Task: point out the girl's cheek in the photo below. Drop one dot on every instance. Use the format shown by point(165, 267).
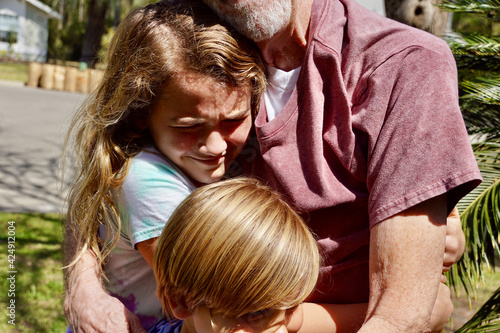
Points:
point(241, 135)
point(184, 141)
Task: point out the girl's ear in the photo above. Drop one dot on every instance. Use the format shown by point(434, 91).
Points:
point(180, 309)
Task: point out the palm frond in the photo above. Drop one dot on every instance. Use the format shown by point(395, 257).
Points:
point(486, 319)
point(480, 216)
point(484, 90)
point(489, 8)
point(481, 120)
point(474, 51)
point(478, 62)
point(474, 43)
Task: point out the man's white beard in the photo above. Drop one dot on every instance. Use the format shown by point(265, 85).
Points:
point(258, 20)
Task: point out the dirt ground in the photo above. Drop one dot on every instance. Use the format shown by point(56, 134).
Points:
point(463, 312)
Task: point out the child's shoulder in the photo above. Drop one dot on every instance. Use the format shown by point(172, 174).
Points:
point(152, 157)
point(152, 164)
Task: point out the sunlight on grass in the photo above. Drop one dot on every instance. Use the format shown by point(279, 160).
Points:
point(39, 289)
point(14, 71)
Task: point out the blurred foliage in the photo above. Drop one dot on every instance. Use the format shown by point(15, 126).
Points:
point(475, 43)
point(66, 44)
point(67, 37)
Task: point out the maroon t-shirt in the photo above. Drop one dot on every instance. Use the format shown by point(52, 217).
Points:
point(372, 128)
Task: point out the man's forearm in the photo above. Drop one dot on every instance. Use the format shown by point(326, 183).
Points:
point(80, 275)
point(406, 255)
point(86, 265)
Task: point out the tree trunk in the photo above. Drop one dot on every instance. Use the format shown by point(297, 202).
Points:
point(97, 10)
point(422, 14)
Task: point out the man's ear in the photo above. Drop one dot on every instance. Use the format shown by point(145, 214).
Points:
point(180, 309)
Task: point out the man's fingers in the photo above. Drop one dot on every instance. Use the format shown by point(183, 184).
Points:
point(134, 323)
point(455, 240)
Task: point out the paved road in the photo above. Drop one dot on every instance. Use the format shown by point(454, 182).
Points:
point(33, 123)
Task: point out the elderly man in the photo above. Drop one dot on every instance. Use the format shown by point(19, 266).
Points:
point(362, 132)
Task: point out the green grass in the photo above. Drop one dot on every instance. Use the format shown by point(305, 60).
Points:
point(14, 71)
point(39, 289)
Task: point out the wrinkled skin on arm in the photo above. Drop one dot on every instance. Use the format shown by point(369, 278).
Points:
point(328, 318)
point(87, 306)
point(406, 260)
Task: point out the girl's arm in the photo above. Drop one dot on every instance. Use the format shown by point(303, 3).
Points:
point(147, 249)
point(348, 318)
point(336, 318)
point(327, 318)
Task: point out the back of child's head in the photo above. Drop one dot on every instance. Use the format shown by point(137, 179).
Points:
point(151, 46)
point(235, 247)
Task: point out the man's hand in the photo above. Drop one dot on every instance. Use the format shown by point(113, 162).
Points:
point(455, 240)
point(442, 310)
point(87, 306)
point(104, 313)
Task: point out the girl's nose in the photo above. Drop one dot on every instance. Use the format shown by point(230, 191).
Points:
point(214, 144)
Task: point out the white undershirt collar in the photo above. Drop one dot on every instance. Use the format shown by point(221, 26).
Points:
point(280, 85)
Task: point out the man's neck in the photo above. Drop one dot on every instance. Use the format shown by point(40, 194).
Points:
point(286, 49)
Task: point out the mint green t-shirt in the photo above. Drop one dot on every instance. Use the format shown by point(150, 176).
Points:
point(152, 190)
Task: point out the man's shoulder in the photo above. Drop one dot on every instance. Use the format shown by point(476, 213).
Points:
point(359, 35)
point(356, 43)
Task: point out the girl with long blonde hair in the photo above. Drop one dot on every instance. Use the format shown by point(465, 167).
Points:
point(173, 111)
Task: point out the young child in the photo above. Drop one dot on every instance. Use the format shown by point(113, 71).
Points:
point(234, 257)
point(173, 111)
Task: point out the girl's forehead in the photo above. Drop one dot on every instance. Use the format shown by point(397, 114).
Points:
point(196, 84)
point(187, 78)
point(194, 95)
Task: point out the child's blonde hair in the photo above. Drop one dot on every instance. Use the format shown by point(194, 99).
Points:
point(150, 46)
point(235, 247)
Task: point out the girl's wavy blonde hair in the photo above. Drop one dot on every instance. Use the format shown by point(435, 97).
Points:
point(149, 47)
point(235, 247)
